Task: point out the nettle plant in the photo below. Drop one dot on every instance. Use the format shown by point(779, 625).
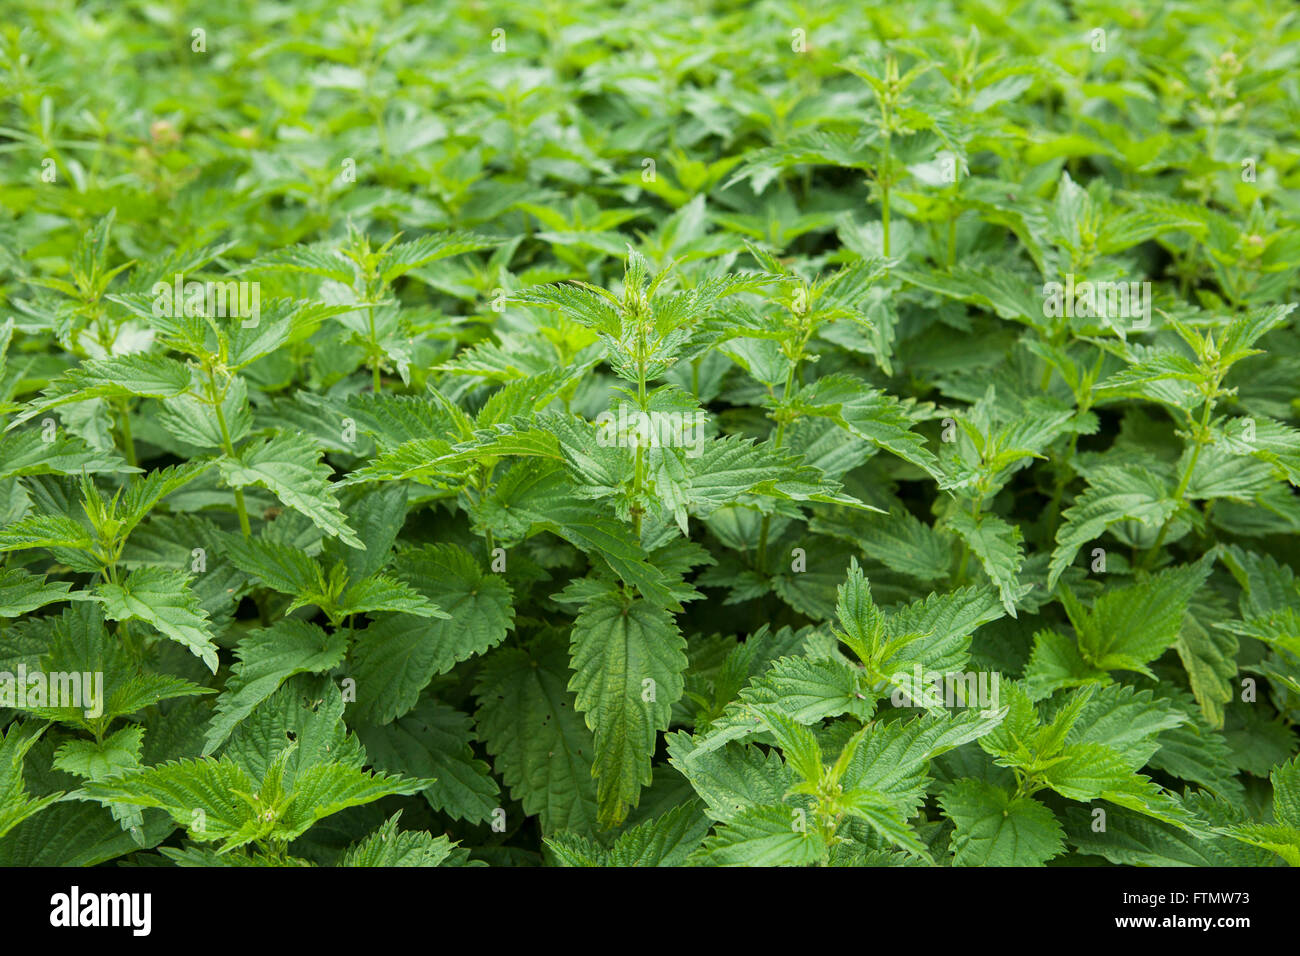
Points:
point(434, 440)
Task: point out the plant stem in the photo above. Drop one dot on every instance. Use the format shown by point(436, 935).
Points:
point(375, 380)
point(482, 493)
point(884, 211)
point(639, 475)
point(976, 506)
point(1185, 479)
point(1062, 479)
point(128, 444)
point(229, 447)
point(883, 177)
point(761, 558)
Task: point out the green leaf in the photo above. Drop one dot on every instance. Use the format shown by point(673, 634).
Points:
point(628, 660)
point(200, 795)
point(731, 467)
point(868, 414)
point(764, 836)
point(28, 453)
point(806, 691)
point(148, 376)
point(531, 498)
point(1056, 663)
point(22, 591)
point(280, 323)
point(993, 828)
point(997, 545)
point(909, 646)
point(267, 658)
point(1195, 753)
point(540, 745)
point(327, 788)
point(898, 540)
point(163, 600)
point(1124, 720)
point(45, 531)
point(15, 805)
point(388, 846)
point(376, 514)
point(397, 656)
point(1131, 626)
point(98, 760)
point(731, 778)
point(280, 567)
point(319, 259)
point(1209, 657)
point(289, 466)
point(665, 841)
point(405, 256)
point(142, 495)
point(893, 759)
point(1131, 839)
point(79, 643)
point(193, 421)
point(1115, 493)
point(1088, 771)
point(434, 741)
point(1286, 792)
point(380, 592)
point(1282, 837)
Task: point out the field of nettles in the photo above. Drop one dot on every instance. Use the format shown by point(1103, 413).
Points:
point(678, 433)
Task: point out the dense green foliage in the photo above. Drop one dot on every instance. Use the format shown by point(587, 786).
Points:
point(650, 434)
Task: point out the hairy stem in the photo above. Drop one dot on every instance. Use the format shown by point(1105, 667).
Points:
point(1184, 480)
point(375, 380)
point(761, 557)
point(639, 475)
point(128, 443)
point(229, 448)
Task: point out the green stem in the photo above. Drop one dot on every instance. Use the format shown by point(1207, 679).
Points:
point(639, 476)
point(761, 559)
point(229, 447)
point(483, 490)
point(374, 352)
point(1184, 480)
point(976, 505)
point(1062, 479)
point(884, 178)
point(884, 215)
point(128, 444)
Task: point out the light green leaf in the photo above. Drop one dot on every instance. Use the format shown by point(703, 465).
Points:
point(163, 600)
point(21, 592)
point(628, 660)
point(289, 466)
point(764, 836)
point(997, 545)
point(267, 658)
point(388, 846)
point(993, 828)
point(149, 376)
